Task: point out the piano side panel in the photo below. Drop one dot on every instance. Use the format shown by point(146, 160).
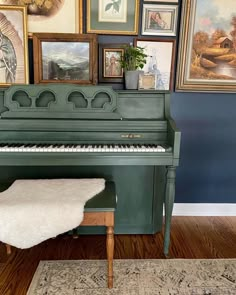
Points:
point(139, 207)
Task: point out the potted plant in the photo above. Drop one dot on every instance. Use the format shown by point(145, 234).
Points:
point(132, 61)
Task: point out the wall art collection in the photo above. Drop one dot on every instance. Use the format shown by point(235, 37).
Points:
point(66, 49)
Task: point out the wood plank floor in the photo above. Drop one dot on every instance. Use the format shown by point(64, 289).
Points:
point(191, 237)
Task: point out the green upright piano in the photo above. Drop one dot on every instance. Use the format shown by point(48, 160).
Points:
point(71, 131)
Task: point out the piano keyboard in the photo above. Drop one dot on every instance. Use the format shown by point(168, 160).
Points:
point(84, 148)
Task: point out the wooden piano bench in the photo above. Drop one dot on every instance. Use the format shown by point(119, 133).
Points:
point(99, 211)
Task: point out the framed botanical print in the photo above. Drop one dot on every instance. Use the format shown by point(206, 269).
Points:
point(159, 20)
point(207, 52)
point(67, 58)
point(13, 45)
point(113, 17)
point(160, 60)
point(52, 16)
point(110, 69)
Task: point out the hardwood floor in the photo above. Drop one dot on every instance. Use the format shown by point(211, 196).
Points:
point(191, 237)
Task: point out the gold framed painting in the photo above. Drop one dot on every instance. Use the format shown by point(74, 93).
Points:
point(207, 51)
point(113, 17)
point(164, 1)
point(13, 45)
point(67, 58)
point(52, 16)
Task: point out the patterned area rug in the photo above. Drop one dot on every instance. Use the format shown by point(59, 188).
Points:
point(136, 277)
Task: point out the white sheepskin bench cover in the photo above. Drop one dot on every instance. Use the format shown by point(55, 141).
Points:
point(32, 211)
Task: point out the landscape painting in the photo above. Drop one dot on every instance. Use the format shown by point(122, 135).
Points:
point(208, 62)
point(68, 58)
point(65, 60)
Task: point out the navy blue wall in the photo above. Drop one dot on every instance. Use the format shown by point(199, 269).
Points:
point(207, 171)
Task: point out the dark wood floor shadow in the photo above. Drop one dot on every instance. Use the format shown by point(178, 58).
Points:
point(191, 237)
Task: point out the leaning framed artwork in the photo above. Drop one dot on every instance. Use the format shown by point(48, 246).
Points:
point(160, 60)
point(207, 53)
point(67, 58)
point(113, 17)
point(159, 19)
point(13, 45)
point(110, 69)
point(52, 16)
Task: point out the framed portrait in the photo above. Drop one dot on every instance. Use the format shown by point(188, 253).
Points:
point(110, 69)
point(67, 58)
point(159, 20)
point(113, 17)
point(160, 60)
point(207, 52)
point(52, 16)
point(13, 45)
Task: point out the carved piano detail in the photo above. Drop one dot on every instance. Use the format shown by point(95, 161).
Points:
point(127, 136)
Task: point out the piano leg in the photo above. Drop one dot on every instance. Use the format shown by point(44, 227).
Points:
point(8, 247)
point(169, 203)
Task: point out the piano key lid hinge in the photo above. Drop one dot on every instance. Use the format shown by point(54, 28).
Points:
point(131, 135)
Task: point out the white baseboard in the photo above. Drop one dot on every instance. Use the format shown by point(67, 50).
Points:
point(204, 209)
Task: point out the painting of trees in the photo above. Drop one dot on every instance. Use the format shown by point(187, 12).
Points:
point(200, 43)
point(233, 32)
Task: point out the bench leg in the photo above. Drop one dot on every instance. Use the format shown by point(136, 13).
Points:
point(8, 249)
point(110, 254)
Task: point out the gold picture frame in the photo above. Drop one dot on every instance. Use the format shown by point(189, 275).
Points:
point(147, 82)
point(53, 64)
point(109, 17)
point(13, 46)
point(52, 16)
point(206, 60)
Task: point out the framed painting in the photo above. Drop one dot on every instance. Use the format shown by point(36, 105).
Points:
point(67, 58)
point(159, 20)
point(163, 1)
point(13, 45)
point(52, 16)
point(113, 17)
point(160, 60)
point(207, 52)
point(110, 69)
